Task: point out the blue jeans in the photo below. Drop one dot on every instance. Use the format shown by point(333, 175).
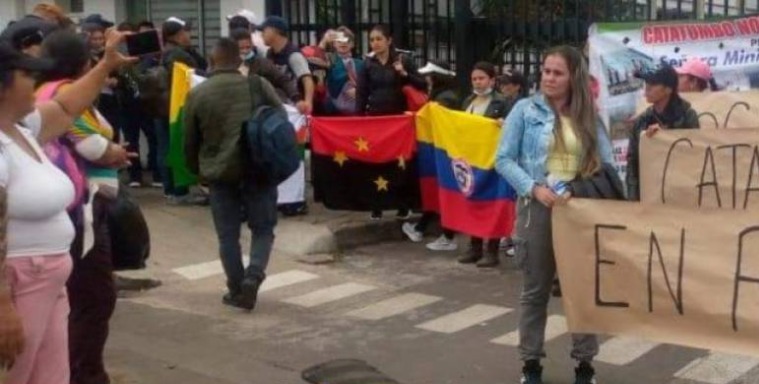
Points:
point(260, 206)
point(164, 144)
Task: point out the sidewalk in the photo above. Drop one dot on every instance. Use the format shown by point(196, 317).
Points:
point(321, 231)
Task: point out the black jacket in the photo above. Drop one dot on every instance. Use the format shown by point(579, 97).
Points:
point(677, 115)
point(448, 98)
point(498, 109)
point(380, 87)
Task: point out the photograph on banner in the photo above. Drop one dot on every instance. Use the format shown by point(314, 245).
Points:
point(619, 50)
point(724, 109)
point(667, 274)
point(701, 168)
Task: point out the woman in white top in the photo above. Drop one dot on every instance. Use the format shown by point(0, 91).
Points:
point(36, 232)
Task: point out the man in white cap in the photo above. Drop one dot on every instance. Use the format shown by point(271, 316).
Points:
point(247, 19)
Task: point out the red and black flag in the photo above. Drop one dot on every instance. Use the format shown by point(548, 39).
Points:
point(365, 163)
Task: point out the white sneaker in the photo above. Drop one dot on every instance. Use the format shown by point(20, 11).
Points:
point(409, 229)
point(135, 184)
point(443, 244)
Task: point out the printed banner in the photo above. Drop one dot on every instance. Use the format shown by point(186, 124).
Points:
point(457, 169)
point(619, 50)
point(701, 168)
point(364, 163)
point(673, 275)
point(182, 81)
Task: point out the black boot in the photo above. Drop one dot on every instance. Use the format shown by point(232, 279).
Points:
point(491, 259)
point(474, 253)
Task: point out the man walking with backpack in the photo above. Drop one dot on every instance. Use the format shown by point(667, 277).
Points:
point(216, 112)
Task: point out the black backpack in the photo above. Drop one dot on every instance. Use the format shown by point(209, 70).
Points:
point(270, 141)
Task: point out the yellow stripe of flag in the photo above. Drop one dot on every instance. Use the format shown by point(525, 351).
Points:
point(461, 135)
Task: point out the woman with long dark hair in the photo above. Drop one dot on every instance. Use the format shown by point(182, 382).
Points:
point(380, 84)
point(555, 134)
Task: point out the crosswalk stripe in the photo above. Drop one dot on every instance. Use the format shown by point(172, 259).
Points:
point(555, 327)
point(624, 350)
point(328, 295)
point(394, 306)
point(464, 319)
point(200, 270)
point(718, 368)
point(285, 279)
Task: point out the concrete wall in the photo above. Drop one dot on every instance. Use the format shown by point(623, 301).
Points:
point(10, 10)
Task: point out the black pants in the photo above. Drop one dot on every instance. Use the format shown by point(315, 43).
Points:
point(135, 120)
point(92, 296)
point(427, 219)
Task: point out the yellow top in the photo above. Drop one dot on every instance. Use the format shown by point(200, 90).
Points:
point(564, 165)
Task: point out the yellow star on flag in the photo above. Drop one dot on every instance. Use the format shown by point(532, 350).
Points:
point(340, 158)
point(382, 184)
point(401, 163)
point(362, 144)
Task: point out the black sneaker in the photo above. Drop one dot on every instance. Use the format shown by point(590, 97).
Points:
point(376, 216)
point(532, 373)
point(233, 300)
point(249, 292)
point(585, 374)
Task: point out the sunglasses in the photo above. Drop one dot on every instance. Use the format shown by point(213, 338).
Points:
point(31, 40)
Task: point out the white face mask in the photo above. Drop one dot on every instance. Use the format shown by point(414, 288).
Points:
point(483, 93)
point(249, 56)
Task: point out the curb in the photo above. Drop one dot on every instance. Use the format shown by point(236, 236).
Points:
point(302, 238)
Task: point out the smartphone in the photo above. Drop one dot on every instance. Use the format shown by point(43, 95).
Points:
point(145, 43)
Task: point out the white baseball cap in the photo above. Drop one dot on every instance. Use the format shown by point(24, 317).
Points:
point(247, 14)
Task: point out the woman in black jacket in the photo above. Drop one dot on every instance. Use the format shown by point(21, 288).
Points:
point(442, 90)
point(386, 72)
point(380, 84)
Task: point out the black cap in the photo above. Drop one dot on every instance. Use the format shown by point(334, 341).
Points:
point(275, 22)
point(664, 75)
point(174, 25)
point(26, 37)
point(98, 19)
point(513, 77)
point(11, 59)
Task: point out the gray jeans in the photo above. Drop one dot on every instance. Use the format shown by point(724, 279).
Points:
point(534, 256)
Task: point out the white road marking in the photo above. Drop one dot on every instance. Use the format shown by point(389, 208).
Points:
point(394, 306)
point(328, 295)
point(624, 350)
point(464, 319)
point(285, 279)
point(718, 368)
point(555, 327)
point(203, 270)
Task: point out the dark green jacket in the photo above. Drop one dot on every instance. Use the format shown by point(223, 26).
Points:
point(214, 115)
point(677, 115)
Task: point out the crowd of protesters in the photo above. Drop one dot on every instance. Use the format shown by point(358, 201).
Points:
point(69, 98)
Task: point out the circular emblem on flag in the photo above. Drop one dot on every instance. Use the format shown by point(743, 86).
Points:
point(464, 176)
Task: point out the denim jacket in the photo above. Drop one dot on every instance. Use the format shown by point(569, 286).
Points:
point(525, 143)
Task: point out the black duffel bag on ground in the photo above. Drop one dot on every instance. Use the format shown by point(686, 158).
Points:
point(130, 237)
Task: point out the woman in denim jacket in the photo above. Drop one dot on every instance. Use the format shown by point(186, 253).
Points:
point(555, 132)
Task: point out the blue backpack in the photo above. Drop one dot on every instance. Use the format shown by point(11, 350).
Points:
point(271, 143)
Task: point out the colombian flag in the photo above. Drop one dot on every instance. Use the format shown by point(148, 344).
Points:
point(457, 171)
point(183, 79)
point(365, 163)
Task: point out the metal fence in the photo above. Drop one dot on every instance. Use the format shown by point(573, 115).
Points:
point(510, 33)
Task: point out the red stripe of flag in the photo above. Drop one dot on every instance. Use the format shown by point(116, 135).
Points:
point(367, 139)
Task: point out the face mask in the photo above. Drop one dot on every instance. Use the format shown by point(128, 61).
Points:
point(483, 93)
point(249, 56)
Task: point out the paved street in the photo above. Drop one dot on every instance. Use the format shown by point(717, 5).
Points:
point(419, 317)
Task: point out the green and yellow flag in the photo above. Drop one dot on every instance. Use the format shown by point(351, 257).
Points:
point(181, 83)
